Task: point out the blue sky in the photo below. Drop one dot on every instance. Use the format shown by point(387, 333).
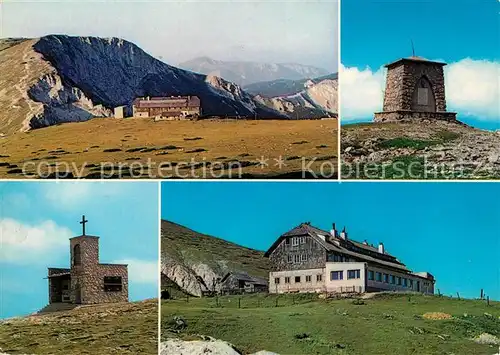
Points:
point(38, 218)
point(463, 33)
point(451, 230)
point(263, 31)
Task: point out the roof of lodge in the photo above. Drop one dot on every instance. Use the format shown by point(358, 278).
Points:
point(170, 101)
point(344, 246)
point(414, 59)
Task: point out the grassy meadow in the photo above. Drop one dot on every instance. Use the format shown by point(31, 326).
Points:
point(78, 149)
point(305, 324)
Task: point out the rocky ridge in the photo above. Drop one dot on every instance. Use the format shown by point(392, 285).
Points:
point(316, 100)
point(245, 73)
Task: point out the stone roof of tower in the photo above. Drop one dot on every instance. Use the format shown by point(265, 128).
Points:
point(414, 59)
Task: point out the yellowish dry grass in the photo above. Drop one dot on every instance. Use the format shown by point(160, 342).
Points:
point(86, 144)
point(121, 328)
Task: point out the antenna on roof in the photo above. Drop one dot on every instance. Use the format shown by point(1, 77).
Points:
point(412, 48)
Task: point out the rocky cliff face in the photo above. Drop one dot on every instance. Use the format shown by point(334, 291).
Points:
point(60, 78)
point(193, 260)
point(315, 100)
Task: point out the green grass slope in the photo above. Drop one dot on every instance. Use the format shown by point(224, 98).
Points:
point(305, 324)
point(120, 328)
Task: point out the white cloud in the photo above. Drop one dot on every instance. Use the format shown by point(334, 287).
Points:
point(472, 88)
point(22, 243)
point(361, 92)
point(70, 195)
point(141, 271)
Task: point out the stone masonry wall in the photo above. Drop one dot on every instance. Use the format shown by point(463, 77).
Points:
point(402, 80)
point(89, 249)
point(434, 73)
point(393, 96)
point(316, 255)
point(94, 284)
point(410, 115)
point(87, 279)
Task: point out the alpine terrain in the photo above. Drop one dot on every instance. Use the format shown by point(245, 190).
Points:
point(58, 78)
point(192, 260)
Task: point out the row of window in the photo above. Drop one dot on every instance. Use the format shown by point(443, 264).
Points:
point(297, 258)
point(339, 275)
point(296, 241)
point(298, 279)
point(391, 279)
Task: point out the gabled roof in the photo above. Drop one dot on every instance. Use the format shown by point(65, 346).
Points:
point(305, 229)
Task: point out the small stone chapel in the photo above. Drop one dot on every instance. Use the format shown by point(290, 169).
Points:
point(87, 281)
point(414, 88)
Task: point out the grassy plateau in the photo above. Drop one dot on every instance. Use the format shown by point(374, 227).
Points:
point(78, 149)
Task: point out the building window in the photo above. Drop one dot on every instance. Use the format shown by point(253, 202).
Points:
point(112, 283)
point(297, 279)
point(399, 280)
point(302, 240)
point(276, 280)
point(287, 280)
point(405, 282)
point(295, 241)
point(308, 278)
point(296, 258)
point(303, 257)
point(337, 275)
point(393, 279)
point(319, 277)
point(287, 240)
point(77, 257)
point(290, 258)
point(353, 274)
point(370, 275)
point(410, 283)
point(386, 278)
point(379, 276)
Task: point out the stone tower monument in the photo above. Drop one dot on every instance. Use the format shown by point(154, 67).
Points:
point(414, 89)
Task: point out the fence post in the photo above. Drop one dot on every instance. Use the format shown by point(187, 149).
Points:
point(187, 298)
point(488, 300)
point(276, 302)
point(458, 295)
point(482, 294)
point(439, 292)
point(239, 302)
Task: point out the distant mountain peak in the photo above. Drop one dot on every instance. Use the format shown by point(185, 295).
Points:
point(248, 72)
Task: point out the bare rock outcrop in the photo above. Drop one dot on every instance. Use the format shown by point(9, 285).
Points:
point(206, 346)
